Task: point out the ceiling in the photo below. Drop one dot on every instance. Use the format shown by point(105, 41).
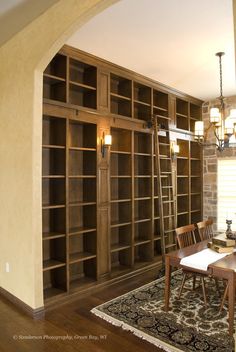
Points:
point(171, 41)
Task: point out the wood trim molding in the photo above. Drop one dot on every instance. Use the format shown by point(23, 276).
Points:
point(117, 69)
point(37, 313)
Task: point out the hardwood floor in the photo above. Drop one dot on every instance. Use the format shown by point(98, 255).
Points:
point(54, 333)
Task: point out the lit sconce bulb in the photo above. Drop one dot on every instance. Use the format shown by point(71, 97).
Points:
point(199, 130)
point(107, 140)
point(229, 127)
point(215, 115)
point(176, 148)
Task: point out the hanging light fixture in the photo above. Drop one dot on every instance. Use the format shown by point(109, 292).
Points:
point(223, 127)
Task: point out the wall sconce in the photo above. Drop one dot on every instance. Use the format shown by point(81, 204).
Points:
point(174, 151)
point(106, 142)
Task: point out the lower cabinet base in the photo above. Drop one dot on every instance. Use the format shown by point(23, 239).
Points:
point(91, 286)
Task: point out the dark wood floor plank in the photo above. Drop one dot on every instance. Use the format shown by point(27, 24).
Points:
point(85, 331)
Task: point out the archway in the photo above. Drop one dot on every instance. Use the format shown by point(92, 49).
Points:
point(23, 59)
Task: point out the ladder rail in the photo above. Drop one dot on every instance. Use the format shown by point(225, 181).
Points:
point(157, 165)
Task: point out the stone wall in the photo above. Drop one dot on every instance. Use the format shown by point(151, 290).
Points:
point(210, 156)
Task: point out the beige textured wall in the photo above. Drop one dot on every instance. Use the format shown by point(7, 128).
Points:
point(22, 60)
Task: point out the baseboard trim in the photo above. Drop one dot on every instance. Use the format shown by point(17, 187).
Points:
point(37, 313)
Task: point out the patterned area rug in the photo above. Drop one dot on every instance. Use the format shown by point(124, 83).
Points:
point(189, 326)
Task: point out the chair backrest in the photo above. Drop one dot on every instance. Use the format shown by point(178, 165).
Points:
point(185, 235)
point(205, 229)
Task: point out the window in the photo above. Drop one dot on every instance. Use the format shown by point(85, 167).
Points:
point(226, 193)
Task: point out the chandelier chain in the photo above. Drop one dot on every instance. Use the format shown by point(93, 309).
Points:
point(221, 85)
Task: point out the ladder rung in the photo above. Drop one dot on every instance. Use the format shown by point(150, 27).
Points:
point(162, 143)
point(170, 245)
point(168, 231)
point(168, 216)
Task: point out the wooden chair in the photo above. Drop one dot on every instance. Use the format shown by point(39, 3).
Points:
point(185, 236)
point(205, 232)
point(205, 229)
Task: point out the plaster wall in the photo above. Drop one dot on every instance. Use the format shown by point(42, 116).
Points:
point(22, 61)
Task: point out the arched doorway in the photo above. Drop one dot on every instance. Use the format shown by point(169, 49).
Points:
point(23, 59)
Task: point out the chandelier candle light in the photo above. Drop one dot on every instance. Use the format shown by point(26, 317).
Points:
point(223, 127)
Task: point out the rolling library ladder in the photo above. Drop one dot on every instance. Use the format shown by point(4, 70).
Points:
point(164, 184)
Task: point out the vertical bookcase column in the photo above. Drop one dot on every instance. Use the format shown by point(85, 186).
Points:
point(143, 236)
point(189, 182)
point(104, 90)
point(172, 110)
point(120, 95)
point(103, 209)
point(195, 182)
point(182, 114)
point(69, 184)
point(121, 201)
point(183, 184)
point(54, 205)
point(82, 203)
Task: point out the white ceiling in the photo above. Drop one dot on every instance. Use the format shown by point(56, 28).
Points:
point(171, 41)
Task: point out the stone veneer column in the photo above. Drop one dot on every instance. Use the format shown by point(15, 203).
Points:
point(210, 157)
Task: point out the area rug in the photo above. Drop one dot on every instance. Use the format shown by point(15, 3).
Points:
point(189, 326)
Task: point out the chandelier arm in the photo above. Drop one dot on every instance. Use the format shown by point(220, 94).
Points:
point(206, 144)
point(217, 138)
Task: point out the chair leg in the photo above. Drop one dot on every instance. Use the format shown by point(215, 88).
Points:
point(204, 291)
point(217, 286)
point(182, 284)
point(224, 297)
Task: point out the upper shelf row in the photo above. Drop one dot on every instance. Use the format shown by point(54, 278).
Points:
point(72, 81)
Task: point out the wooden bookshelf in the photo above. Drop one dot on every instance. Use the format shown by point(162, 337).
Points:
point(189, 183)
point(120, 95)
point(69, 201)
point(101, 215)
point(196, 181)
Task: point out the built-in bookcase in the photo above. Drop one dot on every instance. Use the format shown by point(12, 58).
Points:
point(187, 114)
point(142, 102)
point(69, 204)
point(121, 200)
point(189, 183)
point(71, 81)
point(196, 182)
point(161, 108)
point(143, 202)
point(120, 95)
point(131, 199)
point(103, 214)
point(54, 79)
point(195, 115)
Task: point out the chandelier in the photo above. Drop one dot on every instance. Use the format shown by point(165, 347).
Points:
point(223, 127)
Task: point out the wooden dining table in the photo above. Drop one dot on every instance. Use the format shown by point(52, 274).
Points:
point(223, 268)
